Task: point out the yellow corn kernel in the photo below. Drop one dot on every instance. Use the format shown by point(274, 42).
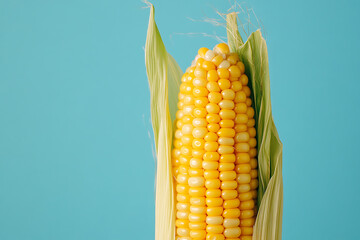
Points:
point(198, 234)
point(244, 79)
point(217, 60)
point(242, 147)
point(214, 97)
point(232, 232)
point(227, 114)
point(212, 76)
point(223, 73)
point(236, 86)
point(214, 202)
point(226, 141)
point(222, 48)
point(243, 168)
point(245, 196)
point(200, 72)
point(211, 174)
point(224, 84)
point(213, 127)
point(246, 230)
point(227, 158)
point(196, 181)
point(243, 178)
point(197, 209)
point(215, 236)
point(240, 97)
point(226, 166)
point(182, 188)
point(200, 92)
point(240, 108)
point(193, 172)
point(253, 163)
point(198, 143)
point(210, 165)
point(214, 220)
point(182, 215)
point(211, 156)
point(233, 58)
point(254, 183)
point(214, 228)
point(213, 118)
point(241, 119)
point(242, 158)
point(200, 112)
point(243, 188)
point(182, 223)
point(195, 163)
point(198, 201)
point(241, 66)
point(212, 108)
point(228, 185)
point(248, 102)
point(227, 175)
point(207, 65)
point(211, 146)
point(197, 225)
point(197, 191)
point(248, 222)
point(253, 152)
point(226, 132)
point(182, 197)
point(235, 72)
point(232, 203)
point(213, 87)
point(229, 194)
point(245, 237)
point(226, 104)
point(201, 102)
point(228, 94)
point(226, 123)
point(197, 153)
point(182, 206)
point(225, 149)
point(214, 211)
point(247, 205)
point(184, 232)
point(231, 213)
point(212, 183)
point(213, 193)
point(246, 214)
point(197, 82)
point(231, 222)
point(253, 173)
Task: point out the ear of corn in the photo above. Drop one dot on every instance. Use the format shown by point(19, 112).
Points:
point(214, 155)
point(216, 141)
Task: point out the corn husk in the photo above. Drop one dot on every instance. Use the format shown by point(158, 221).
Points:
point(164, 76)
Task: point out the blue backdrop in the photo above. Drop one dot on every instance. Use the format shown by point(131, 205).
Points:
point(76, 159)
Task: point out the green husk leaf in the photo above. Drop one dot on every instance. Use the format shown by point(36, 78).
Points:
point(253, 53)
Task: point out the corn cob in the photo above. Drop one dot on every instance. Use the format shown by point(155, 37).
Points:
point(214, 153)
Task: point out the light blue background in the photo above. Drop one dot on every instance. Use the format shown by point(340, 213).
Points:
point(76, 160)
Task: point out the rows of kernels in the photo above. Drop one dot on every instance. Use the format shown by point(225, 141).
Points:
point(245, 150)
point(230, 86)
point(214, 201)
point(183, 142)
